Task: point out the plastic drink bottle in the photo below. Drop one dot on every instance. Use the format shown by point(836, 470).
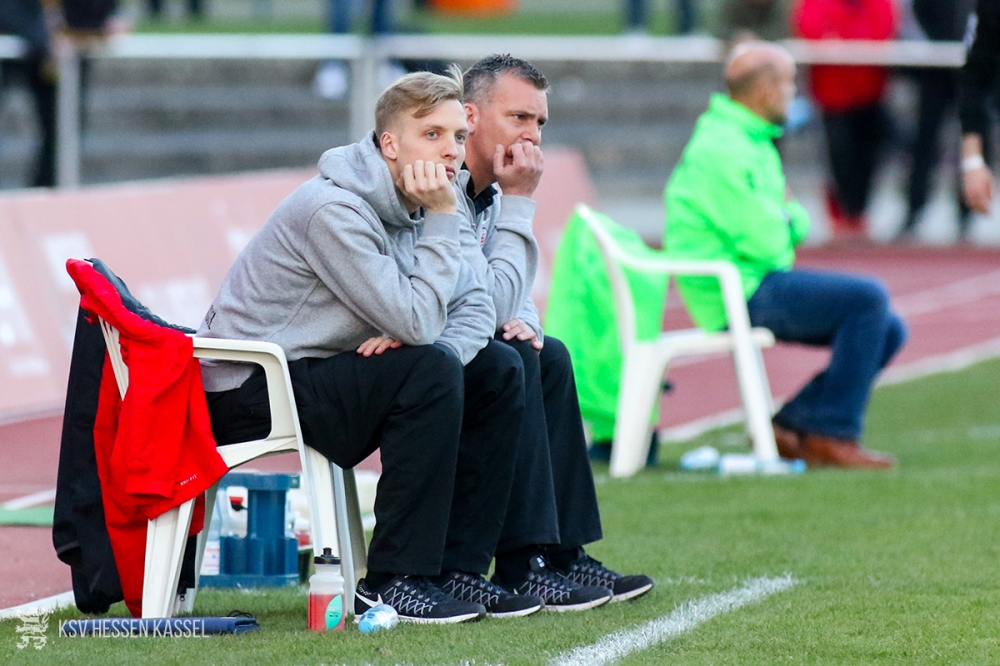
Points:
point(326, 594)
point(380, 617)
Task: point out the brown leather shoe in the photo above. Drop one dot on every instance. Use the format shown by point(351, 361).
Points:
point(819, 451)
point(788, 441)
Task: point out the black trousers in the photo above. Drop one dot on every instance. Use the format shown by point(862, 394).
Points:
point(854, 143)
point(553, 501)
point(938, 95)
point(42, 86)
point(447, 437)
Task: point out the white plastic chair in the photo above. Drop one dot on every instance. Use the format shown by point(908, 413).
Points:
point(335, 515)
point(644, 362)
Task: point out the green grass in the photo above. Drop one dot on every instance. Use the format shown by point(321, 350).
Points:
point(897, 567)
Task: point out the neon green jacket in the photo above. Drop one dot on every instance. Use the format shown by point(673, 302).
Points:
point(581, 313)
point(726, 200)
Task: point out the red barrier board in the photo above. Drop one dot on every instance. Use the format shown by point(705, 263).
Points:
point(172, 242)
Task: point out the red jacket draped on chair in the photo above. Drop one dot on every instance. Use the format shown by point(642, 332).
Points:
point(155, 448)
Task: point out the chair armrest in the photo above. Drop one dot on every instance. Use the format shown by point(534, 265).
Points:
point(269, 356)
point(729, 281)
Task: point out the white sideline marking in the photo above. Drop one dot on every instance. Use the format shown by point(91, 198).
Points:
point(34, 499)
point(685, 432)
point(684, 618)
point(952, 361)
point(962, 292)
point(929, 301)
point(46, 605)
point(960, 359)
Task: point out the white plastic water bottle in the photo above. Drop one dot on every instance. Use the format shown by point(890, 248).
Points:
point(326, 594)
point(375, 619)
point(743, 464)
point(702, 458)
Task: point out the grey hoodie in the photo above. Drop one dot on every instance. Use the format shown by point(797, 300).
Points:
point(503, 235)
point(339, 261)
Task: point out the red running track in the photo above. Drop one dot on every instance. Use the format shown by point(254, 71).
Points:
point(950, 298)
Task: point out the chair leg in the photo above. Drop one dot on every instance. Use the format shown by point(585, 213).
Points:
point(349, 532)
point(165, 539)
point(319, 489)
point(765, 382)
point(187, 604)
point(757, 400)
point(636, 397)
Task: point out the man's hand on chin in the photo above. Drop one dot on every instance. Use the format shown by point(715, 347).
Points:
point(427, 184)
point(518, 168)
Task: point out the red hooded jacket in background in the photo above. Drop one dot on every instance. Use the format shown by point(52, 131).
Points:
point(155, 448)
point(839, 88)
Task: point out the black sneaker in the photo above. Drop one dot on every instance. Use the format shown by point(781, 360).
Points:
point(558, 592)
point(588, 571)
point(416, 600)
point(498, 601)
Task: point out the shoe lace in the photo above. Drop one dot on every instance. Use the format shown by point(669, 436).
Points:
point(589, 571)
point(425, 590)
point(555, 580)
point(474, 588)
point(415, 593)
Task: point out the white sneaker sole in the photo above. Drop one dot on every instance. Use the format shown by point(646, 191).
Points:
point(454, 619)
point(518, 613)
point(587, 605)
point(632, 594)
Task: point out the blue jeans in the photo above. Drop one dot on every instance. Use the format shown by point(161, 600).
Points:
point(849, 314)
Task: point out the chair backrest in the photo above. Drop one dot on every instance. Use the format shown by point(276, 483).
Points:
point(612, 253)
point(114, 305)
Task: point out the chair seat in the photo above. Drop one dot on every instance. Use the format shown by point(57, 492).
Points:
point(690, 341)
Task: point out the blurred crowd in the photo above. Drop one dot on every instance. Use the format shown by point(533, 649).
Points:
point(852, 100)
point(849, 101)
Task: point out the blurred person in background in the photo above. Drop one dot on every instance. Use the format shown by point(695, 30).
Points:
point(850, 98)
point(196, 9)
point(940, 20)
point(727, 199)
point(86, 22)
point(743, 20)
point(333, 76)
point(977, 83)
point(36, 69)
point(637, 16)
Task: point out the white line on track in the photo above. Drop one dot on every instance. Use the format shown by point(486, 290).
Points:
point(34, 499)
point(952, 361)
point(954, 294)
point(46, 605)
point(684, 618)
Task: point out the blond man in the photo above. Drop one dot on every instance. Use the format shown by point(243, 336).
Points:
point(358, 276)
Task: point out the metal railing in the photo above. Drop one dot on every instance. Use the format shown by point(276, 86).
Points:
point(366, 55)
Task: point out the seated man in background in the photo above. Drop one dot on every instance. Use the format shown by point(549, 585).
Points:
point(727, 199)
point(553, 509)
point(358, 276)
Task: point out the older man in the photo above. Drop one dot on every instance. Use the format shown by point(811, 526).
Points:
point(727, 199)
point(553, 509)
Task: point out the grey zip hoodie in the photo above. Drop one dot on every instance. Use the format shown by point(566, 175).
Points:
point(503, 235)
point(339, 261)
